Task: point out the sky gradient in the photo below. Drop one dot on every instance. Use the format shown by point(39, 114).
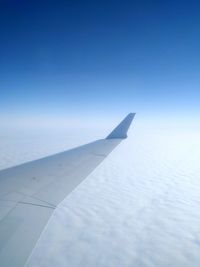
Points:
point(99, 57)
point(83, 66)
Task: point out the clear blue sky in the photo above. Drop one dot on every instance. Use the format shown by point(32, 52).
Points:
point(96, 57)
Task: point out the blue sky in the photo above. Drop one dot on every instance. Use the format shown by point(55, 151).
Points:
point(99, 57)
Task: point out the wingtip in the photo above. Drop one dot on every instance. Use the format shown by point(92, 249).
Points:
point(120, 132)
point(132, 114)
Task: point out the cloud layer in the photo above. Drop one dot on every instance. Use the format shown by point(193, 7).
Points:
point(138, 208)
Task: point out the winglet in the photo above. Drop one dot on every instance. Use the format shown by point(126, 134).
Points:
point(121, 130)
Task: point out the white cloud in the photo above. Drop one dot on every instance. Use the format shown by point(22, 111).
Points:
point(138, 208)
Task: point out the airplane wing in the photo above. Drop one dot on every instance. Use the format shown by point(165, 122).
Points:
point(29, 193)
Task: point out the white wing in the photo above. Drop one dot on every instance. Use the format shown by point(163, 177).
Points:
point(29, 193)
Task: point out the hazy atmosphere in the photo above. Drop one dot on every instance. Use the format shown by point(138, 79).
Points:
point(69, 72)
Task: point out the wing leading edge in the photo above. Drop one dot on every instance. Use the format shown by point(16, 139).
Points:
point(29, 193)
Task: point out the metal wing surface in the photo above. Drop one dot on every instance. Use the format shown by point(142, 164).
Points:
point(29, 193)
